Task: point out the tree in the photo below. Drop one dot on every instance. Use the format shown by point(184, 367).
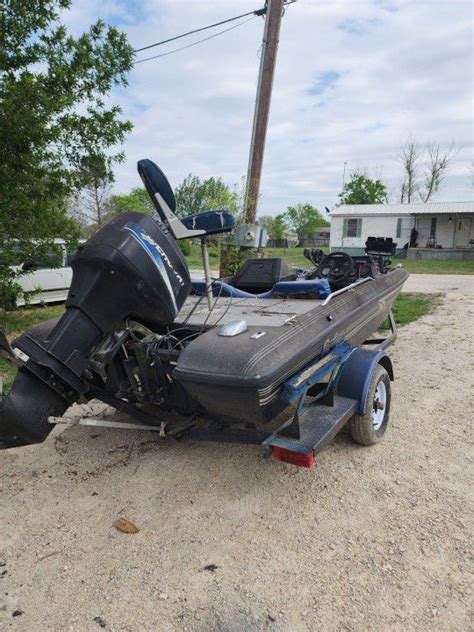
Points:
point(92, 202)
point(274, 225)
point(53, 117)
point(436, 166)
point(266, 222)
point(410, 158)
point(424, 169)
point(278, 228)
point(363, 190)
point(137, 201)
point(304, 219)
point(194, 195)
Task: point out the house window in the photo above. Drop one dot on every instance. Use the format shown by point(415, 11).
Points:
point(399, 227)
point(352, 227)
point(433, 227)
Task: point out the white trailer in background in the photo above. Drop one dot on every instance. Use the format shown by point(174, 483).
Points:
point(444, 228)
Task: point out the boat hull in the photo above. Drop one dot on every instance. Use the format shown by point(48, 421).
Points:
point(240, 379)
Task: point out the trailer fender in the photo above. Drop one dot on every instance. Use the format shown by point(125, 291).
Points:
point(354, 377)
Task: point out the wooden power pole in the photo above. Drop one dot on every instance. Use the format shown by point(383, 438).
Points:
point(262, 105)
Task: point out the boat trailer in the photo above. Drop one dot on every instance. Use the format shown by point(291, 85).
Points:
point(325, 395)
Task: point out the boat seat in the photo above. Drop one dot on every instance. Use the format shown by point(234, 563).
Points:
point(281, 289)
point(164, 201)
point(211, 222)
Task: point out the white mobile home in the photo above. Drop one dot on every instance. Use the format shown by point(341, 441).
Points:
point(445, 229)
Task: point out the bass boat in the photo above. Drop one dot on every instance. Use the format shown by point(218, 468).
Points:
point(140, 335)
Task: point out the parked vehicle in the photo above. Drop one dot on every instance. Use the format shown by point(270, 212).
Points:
point(46, 280)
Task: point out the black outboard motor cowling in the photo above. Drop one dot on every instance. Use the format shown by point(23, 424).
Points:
point(130, 268)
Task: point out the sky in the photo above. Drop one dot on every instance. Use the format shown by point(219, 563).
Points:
point(354, 79)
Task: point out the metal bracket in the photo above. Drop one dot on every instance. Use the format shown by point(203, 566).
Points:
point(207, 271)
point(383, 343)
point(322, 373)
point(104, 423)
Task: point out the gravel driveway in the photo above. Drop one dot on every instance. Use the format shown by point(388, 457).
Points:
point(369, 539)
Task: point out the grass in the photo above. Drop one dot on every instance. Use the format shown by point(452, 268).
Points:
point(19, 320)
point(411, 306)
point(195, 259)
point(427, 266)
point(295, 257)
point(7, 374)
point(14, 323)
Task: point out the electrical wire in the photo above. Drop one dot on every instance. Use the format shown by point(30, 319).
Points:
point(205, 39)
point(203, 28)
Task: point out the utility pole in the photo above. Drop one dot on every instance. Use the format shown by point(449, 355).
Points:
point(274, 10)
point(344, 174)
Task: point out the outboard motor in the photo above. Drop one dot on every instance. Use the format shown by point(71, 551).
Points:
point(130, 268)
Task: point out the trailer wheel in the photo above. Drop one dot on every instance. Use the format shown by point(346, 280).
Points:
point(370, 428)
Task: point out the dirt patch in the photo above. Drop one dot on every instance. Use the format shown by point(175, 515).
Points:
point(370, 539)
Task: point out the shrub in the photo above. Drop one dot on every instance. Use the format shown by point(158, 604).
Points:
point(185, 246)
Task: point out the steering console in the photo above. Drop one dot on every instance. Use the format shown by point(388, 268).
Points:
point(337, 268)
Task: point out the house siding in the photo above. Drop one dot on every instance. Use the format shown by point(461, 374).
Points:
point(372, 226)
point(455, 233)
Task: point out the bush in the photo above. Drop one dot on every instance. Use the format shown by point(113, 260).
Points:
point(9, 291)
point(185, 246)
point(213, 252)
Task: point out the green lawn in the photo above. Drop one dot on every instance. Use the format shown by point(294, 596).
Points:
point(427, 266)
point(195, 259)
point(17, 321)
point(411, 306)
point(14, 323)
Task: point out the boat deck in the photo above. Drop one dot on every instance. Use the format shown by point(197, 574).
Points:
point(257, 312)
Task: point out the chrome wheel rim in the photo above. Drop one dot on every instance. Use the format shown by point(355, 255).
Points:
point(378, 405)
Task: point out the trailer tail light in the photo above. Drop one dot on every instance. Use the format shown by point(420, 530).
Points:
point(294, 458)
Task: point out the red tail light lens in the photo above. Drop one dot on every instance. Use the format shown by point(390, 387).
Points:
point(293, 458)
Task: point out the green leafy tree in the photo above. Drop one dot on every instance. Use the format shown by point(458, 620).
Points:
point(278, 228)
point(266, 221)
point(274, 225)
point(304, 219)
point(137, 201)
point(53, 119)
point(363, 190)
point(194, 195)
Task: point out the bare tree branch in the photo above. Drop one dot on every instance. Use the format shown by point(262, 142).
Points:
point(436, 167)
point(410, 158)
point(91, 204)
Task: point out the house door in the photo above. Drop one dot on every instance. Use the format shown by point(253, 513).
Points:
point(462, 232)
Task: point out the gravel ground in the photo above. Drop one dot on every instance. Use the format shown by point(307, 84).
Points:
point(457, 283)
point(369, 539)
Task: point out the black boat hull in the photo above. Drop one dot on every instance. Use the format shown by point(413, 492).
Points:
point(240, 379)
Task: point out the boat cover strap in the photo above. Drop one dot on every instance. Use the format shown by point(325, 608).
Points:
point(280, 289)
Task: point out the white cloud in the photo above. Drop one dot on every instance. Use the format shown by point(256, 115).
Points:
point(346, 89)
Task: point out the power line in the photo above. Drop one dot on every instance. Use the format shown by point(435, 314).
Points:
point(257, 12)
point(205, 39)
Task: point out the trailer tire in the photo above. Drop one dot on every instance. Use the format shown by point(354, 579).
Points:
point(370, 428)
